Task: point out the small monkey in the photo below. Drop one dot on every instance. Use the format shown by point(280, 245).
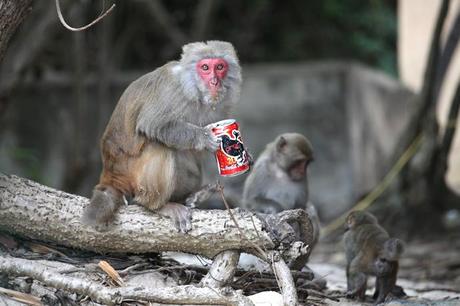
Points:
point(279, 180)
point(152, 146)
point(370, 251)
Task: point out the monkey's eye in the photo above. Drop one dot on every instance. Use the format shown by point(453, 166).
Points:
point(204, 67)
point(220, 67)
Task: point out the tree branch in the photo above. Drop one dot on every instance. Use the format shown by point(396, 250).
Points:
point(54, 216)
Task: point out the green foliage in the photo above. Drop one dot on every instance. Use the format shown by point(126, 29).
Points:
point(261, 30)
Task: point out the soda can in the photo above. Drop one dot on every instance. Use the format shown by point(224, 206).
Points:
point(232, 158)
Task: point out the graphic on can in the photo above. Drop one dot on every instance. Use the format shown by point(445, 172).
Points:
point(232, 158)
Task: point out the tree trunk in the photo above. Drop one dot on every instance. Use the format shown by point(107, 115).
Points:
point(13, 13)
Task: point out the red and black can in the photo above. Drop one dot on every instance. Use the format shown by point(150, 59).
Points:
point(232, 158)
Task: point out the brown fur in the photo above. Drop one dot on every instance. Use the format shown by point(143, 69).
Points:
point(370, 251)
point(151, 148)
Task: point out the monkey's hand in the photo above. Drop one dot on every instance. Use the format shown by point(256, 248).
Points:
point(209, 141)
point(179, 214)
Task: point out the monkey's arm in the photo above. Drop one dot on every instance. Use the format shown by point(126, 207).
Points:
point(180, 135)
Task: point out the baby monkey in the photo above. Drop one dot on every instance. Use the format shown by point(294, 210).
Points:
point(370, 251)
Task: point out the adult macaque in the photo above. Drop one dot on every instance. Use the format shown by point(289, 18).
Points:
point(279, 179)
point(370, 251)
point(152, 146)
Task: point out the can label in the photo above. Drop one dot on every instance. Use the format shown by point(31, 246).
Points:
point(232, 158)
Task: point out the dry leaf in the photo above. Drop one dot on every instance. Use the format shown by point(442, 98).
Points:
point(107, 268)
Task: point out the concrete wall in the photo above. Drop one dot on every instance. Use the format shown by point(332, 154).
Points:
point(352, 115)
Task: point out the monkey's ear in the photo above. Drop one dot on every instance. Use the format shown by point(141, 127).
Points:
point(281, 143)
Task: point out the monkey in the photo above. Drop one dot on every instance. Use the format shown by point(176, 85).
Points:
point(370, 251)
point(279, 181)
point(158, 132)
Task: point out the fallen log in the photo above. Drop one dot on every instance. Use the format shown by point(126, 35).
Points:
point(38, 212)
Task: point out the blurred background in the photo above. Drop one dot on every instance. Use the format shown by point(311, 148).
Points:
point(349, 75)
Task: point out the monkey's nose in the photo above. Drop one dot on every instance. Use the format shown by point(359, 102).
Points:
point(214, 82)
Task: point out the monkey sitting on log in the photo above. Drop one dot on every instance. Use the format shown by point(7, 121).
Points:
point(152, 146)
point(370, 252)
point(279, 181)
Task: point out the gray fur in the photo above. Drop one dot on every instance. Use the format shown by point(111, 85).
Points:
point(182, 106)
point(269, 188)
point(393, 249)
point(270, 183)
point(101, 209)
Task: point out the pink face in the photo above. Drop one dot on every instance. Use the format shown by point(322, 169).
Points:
point(212, 71)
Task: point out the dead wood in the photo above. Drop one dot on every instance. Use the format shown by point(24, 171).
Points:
point(35, 211)
point(179, 295)
point(39, 212)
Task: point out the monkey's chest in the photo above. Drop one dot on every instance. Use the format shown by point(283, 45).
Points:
point(288, 195)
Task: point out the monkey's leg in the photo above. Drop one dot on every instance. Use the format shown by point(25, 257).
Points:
point(357, 282)
point(181, 215)
point(103, 205)
point(383, 287)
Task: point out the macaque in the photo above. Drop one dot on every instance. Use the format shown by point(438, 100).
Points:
point(370, 252)
point(154, 141)
point(279, 180)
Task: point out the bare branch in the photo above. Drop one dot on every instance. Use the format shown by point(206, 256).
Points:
point(284, 279)
point(222, 270)
point(68, 27)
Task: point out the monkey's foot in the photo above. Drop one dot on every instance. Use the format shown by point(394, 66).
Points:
point(179, 214)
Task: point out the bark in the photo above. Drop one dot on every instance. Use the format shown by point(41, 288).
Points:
point(13, 13)
point(54, 216)
point(222, 270)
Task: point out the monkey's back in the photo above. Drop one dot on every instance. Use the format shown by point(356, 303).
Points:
point(366, 242)
point(126, 154)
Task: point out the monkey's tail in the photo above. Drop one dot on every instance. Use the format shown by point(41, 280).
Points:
point(394, 248)
point(103, 205)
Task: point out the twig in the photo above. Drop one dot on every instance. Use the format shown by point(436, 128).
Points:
point(68, 27)
point(133, 267)
point(22, 297)
point(261, 252)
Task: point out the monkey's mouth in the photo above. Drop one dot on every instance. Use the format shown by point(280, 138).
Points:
point(298, 170)
point(214, 86)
